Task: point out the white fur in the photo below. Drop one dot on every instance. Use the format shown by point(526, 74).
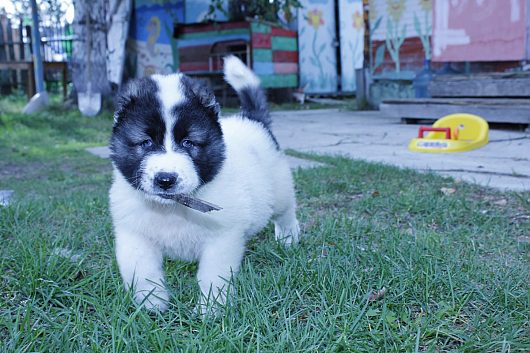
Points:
point(170, 162)
point(238, 75)
point(170, 93)
point(253, 186)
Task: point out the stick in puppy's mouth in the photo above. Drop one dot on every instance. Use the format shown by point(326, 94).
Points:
point(192, 202)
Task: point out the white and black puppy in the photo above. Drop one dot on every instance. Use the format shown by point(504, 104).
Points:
point(168, 139)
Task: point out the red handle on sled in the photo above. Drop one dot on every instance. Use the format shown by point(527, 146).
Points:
point(424, 129)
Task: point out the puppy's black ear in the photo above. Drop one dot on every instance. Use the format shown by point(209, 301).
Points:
point(129, 94)
point(203, 93)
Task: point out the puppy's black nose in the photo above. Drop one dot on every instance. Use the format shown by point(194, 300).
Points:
point(165, 181)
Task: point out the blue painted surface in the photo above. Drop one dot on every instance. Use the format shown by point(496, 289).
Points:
point(351, 26)
point(316, 35)
point(263, 68)
point(156, 21)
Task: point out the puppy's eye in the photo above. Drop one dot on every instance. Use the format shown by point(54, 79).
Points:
point(187, 143)
point(146, 143)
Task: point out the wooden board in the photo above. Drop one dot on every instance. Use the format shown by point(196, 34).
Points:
point(481, 85)
point(262, 55)
point(205, 27)
point(275, 81)
point(284, 43)
point(516, 111)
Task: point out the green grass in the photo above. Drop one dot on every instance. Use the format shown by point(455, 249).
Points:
point(455, 268)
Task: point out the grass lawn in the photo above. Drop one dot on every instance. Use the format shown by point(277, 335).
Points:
point(455, 267)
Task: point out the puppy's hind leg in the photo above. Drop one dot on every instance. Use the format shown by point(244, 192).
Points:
point(286, 227)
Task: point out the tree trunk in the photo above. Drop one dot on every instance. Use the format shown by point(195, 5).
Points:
point(97, 10)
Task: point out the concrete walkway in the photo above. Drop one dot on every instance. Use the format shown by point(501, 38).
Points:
point(504, 163)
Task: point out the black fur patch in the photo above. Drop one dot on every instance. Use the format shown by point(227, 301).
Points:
point(254, 107)
point(198, 120)
point(138, 118)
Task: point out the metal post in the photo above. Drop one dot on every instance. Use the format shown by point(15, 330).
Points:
point(37, 58)
point(39, 100)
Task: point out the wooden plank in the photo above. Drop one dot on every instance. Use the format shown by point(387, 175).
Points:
point(462, 101)
point(193, 66)
point(284, 43)
point(503, 85)
point(515, 111)
point(285, 68)
point(16, 65)
point(277, 31)
point(263, 68)
point(262, 55)
point(261, 40)
point(223, 32)
point(527, 49)
point(202, 27)
point(260, 27)
point(279, 56)
point(279, 81)
point(184, 43)
point(194, 53)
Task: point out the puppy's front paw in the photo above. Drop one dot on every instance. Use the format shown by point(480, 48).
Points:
point(152, 298)
point(287, 235)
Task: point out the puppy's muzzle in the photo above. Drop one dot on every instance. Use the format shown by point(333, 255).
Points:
point(165, 182)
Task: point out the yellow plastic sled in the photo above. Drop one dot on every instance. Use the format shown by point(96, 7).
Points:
point(453, 133)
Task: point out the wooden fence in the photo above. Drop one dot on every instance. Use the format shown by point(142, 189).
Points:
point(16, 62)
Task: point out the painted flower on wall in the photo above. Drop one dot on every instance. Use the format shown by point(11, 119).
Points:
point(358, 21)
point(395, 9)
point(315, 18)
point(426, 5)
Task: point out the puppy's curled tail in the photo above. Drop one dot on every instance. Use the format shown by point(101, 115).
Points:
point(247, 85)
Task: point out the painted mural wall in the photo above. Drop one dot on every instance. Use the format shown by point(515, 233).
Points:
point(351, 41)
point(151, 44)
point(317, 38)
point(479, 30)
point(400, 32)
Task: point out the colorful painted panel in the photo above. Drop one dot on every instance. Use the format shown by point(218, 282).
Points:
point(351, 41)
point(492, 30)
point(274, 50)
point(274, 56)
point(316, 35)
point(202, 46)
point(151, 37)
point(400, 32)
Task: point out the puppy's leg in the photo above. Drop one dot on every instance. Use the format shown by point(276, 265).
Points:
point(219, 260)
point(140, 264)
point(286, 227)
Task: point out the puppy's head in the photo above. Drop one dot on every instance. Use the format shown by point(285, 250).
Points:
point(167, 138)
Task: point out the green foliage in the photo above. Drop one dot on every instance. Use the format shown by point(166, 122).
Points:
point(261, 9)
point(51, 10)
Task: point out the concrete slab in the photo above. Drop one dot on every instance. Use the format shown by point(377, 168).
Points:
point(101, 152)
point(294, 163)
point(503, 164)
point(5, 197)
point(372, 136)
